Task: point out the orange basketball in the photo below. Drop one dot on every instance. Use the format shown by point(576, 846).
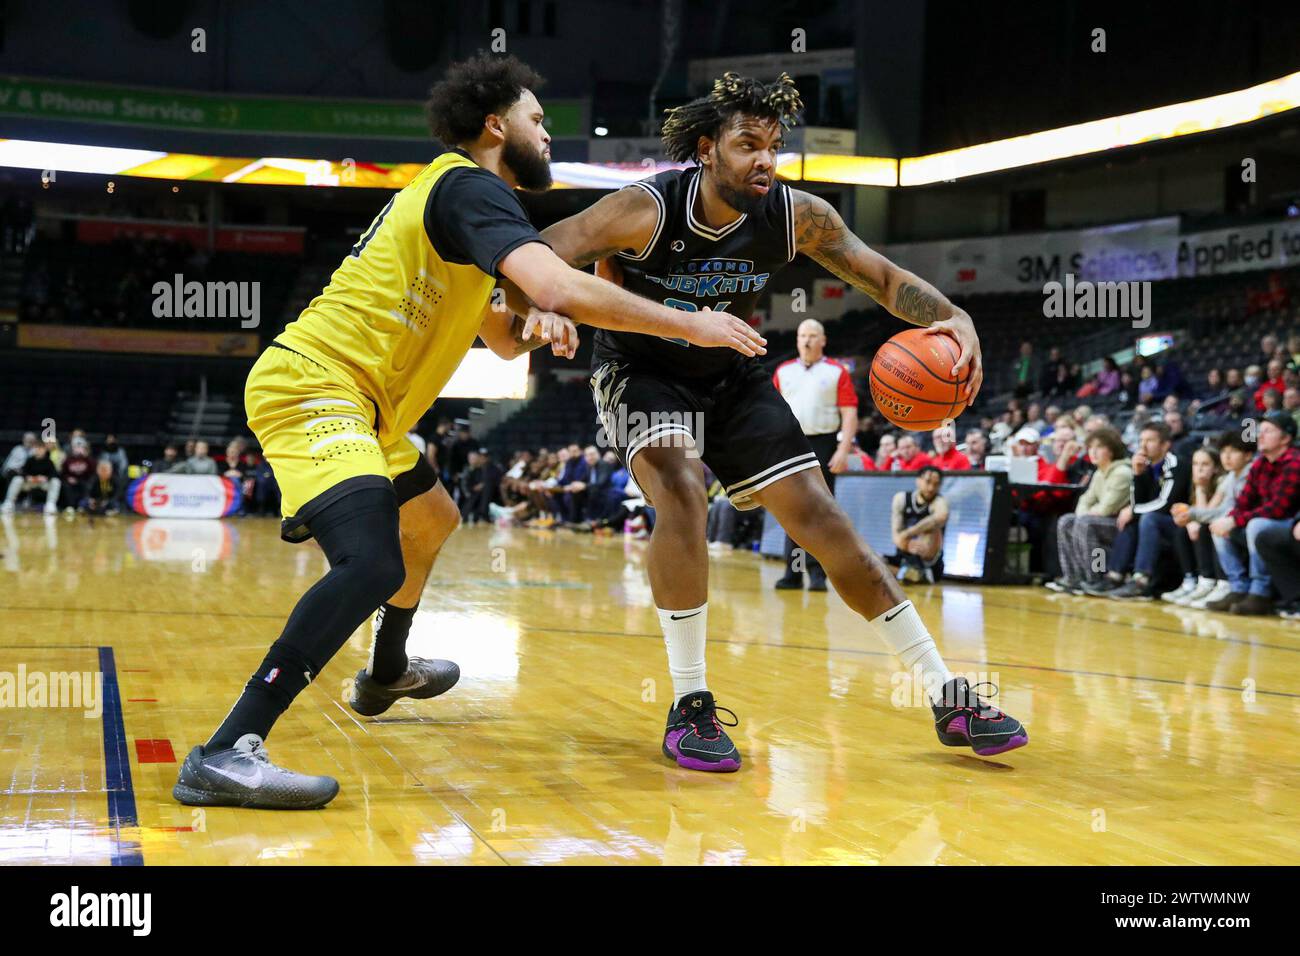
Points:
point(912, 381)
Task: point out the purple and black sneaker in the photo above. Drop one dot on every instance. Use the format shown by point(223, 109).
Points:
point(962, 719)
point(695, 738)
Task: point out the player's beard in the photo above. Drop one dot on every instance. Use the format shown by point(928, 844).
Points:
point(739, 197)
point(531, 169)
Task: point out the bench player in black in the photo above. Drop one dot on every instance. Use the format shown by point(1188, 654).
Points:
point(712, 235)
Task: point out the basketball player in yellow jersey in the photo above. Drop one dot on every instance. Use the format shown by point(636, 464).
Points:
point(334, 396)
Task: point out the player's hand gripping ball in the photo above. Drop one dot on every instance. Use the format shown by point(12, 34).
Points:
point(912, 382)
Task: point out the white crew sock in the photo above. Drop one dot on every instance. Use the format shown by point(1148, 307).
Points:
point(904, 633)
point(684, 636)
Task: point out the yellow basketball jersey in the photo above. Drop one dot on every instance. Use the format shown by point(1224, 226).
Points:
point(396, 317)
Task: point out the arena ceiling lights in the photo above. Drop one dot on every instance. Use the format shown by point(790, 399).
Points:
point(1161, 123)
point(1131, 129)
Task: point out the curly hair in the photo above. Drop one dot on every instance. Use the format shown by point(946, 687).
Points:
point(473, 88)
point(731, 95)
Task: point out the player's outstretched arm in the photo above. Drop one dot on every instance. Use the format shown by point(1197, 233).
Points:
point(510, 314)
point(558, 288)
point(821, 235)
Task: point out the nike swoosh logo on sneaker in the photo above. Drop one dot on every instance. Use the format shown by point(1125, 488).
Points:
point(890, 617)
point(674, 617)
point(244, 780)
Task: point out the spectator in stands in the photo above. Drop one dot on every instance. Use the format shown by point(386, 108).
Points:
point(1128, 389)
point(1160, 480)
point(599, 472)
point(458, 452)
point(104, 493)
point(17, 457)
point(1194, 550)
point(999, 439)
point(1275, 382)
point(1148, 386)
point(1236, 457)
point(1270, 498)
point(1214, 388)
point(1183, 443)
point(234, 463)
point(918, 521)
point(977, 448)
point(1133, 430)
point(1052, 376)
point(1067, 464)
point(1293, 351)
point(1279, 549)
point(1095, 421)
point(909, 456)
point(1034, 418)
point(190, 445)
point(198, 463)
point(37, 473)
point(1023, 370)
point(77, 473)
point(115, 455)
point(1268, 346)
point(169, 461)
point(266, 490)
point(1107, 380)
point(56, 453)
point(946, 456)
point(1291, 403)
point(868, 434)
point(483, 485)
point(885, 451)
point(1272, 400)
point(1093, 526)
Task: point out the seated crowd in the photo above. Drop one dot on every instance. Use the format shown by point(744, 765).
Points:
point(76, 479)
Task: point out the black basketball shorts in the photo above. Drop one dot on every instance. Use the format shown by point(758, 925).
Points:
point(740, 426)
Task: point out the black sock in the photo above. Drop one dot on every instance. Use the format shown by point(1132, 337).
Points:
point(359, 535)
point(388, 656)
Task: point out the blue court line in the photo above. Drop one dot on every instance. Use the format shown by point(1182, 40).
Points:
point(117, 767)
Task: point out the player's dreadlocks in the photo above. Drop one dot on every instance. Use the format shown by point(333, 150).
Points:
point(732, 94)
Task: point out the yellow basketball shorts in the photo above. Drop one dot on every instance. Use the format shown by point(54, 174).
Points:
point(318, 432)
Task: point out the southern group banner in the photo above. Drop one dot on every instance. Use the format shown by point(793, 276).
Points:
point(1136, 251)
point(184, 496)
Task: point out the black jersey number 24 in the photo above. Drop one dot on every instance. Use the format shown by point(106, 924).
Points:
point(374, 227)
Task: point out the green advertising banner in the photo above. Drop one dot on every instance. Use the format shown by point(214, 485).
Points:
point(229, 113)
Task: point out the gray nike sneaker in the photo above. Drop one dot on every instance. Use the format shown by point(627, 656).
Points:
point(423, 679)
point(245, 777)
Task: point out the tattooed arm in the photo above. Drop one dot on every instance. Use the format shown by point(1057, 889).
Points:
point(821, 235)
point(623, 219)
point(506, 330)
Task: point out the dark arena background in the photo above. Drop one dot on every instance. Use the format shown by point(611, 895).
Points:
point(1110, 192)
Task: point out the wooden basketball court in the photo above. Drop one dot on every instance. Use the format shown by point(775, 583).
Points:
point(1158, 735)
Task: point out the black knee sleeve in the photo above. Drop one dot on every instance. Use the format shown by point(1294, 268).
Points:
point(359, 535)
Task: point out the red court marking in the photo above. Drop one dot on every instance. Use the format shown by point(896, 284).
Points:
point(142, 700)
point(154, 751)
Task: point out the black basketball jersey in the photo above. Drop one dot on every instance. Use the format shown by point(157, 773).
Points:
point(913, 512)
point(688, 265)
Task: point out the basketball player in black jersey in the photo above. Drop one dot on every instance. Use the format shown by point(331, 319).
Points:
point(712, 235)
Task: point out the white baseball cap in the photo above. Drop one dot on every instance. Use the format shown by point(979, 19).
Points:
point(1029, 435)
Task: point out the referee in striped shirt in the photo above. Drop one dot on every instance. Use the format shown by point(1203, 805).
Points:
point(822, 397)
